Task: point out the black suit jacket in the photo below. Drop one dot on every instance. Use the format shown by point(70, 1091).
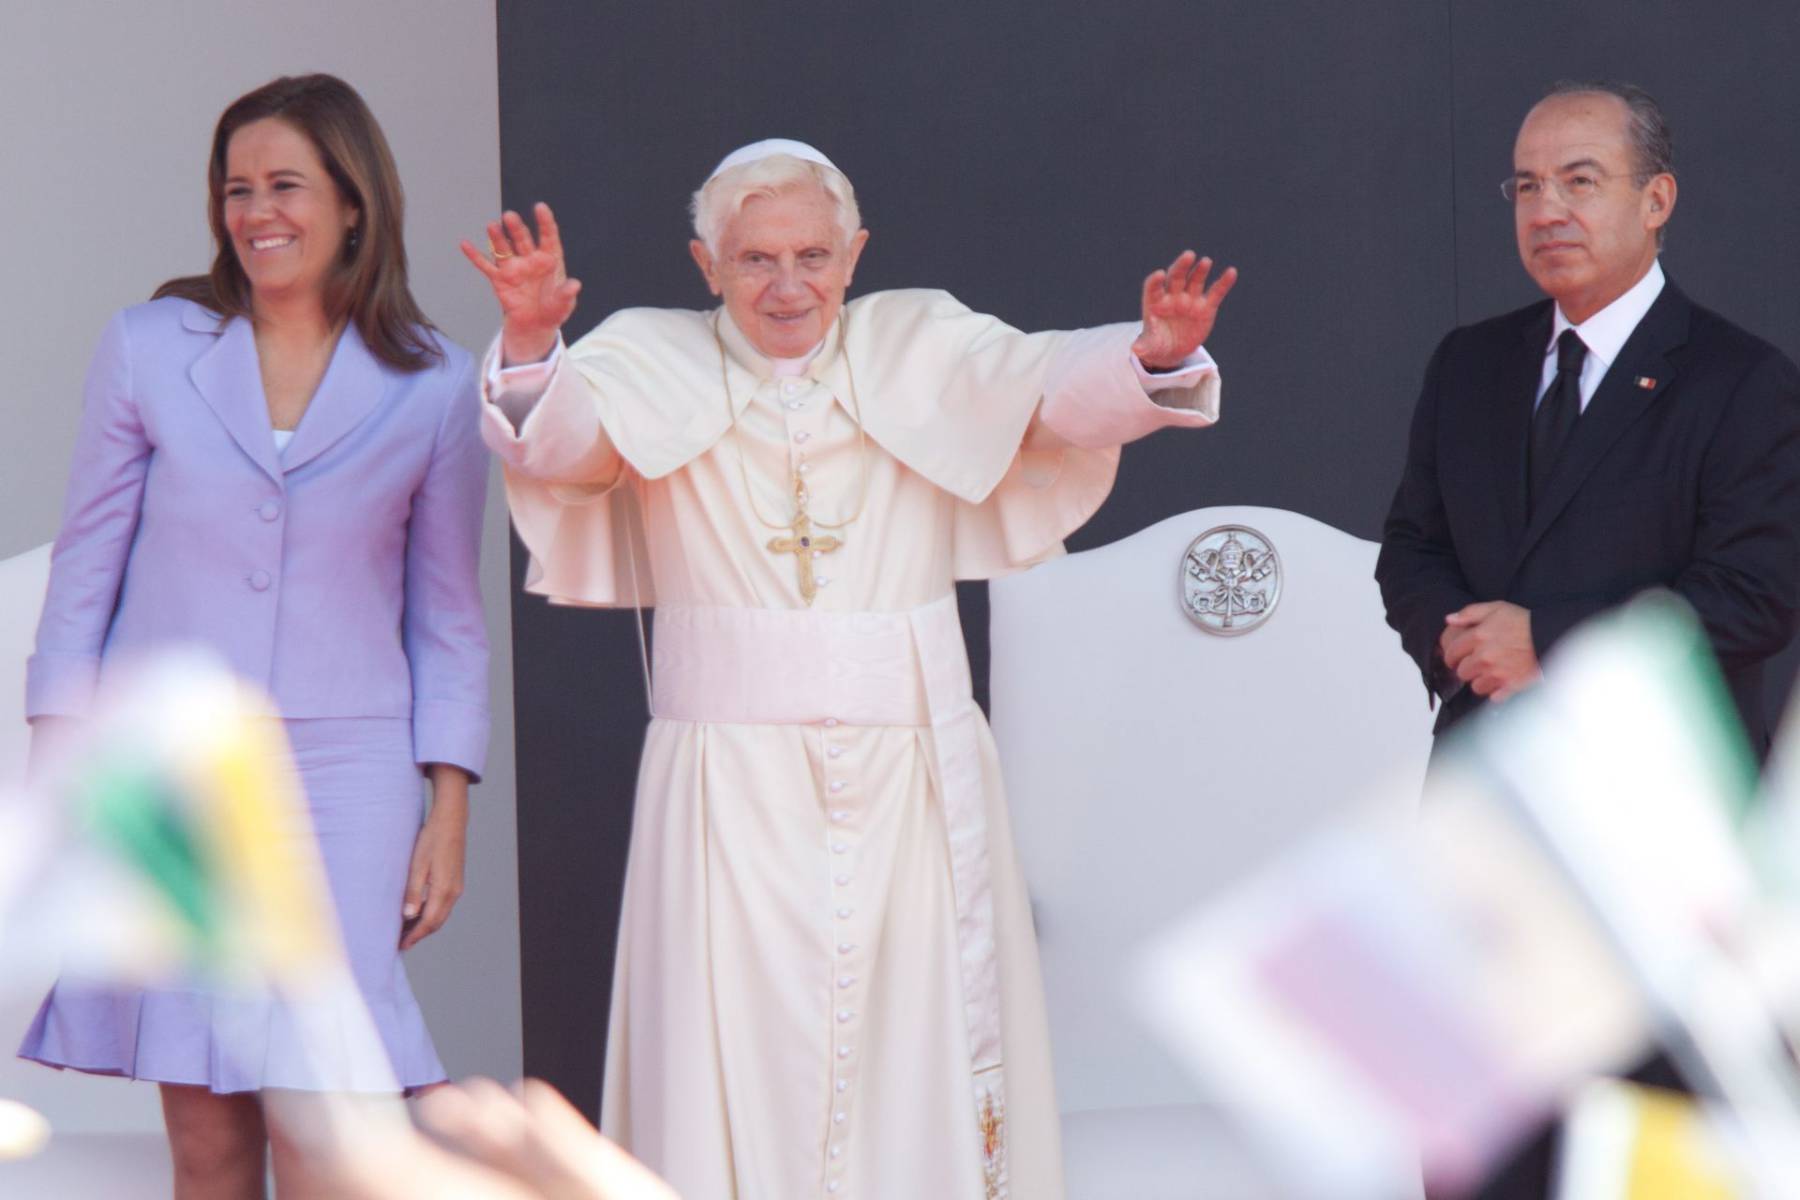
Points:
point(1683, 472)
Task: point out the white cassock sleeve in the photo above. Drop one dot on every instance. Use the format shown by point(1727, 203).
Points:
point(1097, 393)
point(1095, 397)
point(542, 423)
point(562, 472)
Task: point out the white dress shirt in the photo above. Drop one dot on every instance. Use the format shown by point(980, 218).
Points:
point(1604, 334)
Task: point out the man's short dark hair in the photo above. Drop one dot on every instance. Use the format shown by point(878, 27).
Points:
point(1652, 144)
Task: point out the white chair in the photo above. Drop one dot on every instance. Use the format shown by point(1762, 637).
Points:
point(1149, 764)
point(23, 578)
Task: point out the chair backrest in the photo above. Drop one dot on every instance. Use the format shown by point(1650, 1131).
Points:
point(1149, 763)
point(23, 578)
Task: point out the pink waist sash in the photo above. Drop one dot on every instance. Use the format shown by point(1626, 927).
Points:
point(752, 666)
point(766, 666)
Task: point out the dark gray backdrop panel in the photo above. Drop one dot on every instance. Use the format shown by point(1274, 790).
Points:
point(1037, 159)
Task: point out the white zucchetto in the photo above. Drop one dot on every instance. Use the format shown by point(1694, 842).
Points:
point(768, 148)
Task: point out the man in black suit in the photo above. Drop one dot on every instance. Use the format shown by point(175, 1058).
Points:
point(1613, 438)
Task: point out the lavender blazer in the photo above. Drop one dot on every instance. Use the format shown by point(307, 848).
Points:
point(340, 577)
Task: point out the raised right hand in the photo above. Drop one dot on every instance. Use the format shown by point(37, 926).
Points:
point(535, 292)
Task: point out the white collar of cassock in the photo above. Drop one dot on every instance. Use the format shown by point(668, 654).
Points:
point(793, 368)
point(812, 364)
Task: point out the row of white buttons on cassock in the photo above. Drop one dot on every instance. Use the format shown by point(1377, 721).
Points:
point(841, 798)
point(794, 398)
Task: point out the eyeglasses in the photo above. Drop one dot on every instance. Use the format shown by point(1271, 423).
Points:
point(1573, 188)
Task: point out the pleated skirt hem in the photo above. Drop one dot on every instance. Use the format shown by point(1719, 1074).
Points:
point(225, 1046)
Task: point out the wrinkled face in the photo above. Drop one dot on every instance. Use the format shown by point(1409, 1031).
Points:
point(284, 213)
point(1586, 231)
point(782, 268)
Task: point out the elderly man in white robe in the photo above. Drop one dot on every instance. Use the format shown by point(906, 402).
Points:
point(826, 981)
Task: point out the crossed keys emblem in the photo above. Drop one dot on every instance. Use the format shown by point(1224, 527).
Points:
point(1230, 580)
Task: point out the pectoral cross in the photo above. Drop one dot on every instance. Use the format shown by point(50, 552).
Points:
point(804, 546)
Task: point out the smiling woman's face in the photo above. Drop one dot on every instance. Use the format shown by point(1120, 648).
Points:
point(782, 269)
point(285, 215)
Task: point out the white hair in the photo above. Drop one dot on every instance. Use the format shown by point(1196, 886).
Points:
point(724, 195)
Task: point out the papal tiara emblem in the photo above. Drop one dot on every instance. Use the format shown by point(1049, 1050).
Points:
point(1230, 580)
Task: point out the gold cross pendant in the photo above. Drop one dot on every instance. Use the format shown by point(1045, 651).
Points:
point(804, 546)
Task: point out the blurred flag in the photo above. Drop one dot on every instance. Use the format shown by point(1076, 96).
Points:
point(186, 778)
point(1625, 1142)
point(1771, 836)
point(1628, 766)
point(1578, 879)
point(1389, 997)
point(170, 845)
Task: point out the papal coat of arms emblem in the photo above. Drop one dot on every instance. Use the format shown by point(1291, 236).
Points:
point(1230, 580)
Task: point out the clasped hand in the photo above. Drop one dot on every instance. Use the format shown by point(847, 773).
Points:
point(1489, 647)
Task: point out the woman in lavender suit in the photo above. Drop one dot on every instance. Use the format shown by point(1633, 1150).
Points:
point(280, 460)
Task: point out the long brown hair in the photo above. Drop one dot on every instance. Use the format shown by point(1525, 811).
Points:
point(367, 284)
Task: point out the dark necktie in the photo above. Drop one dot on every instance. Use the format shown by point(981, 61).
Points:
point(1556, 412)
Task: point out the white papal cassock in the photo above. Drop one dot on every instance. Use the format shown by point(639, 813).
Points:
point(827, 984)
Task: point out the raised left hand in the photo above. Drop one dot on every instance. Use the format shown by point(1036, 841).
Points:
point(435, 879)
point(1179, 310)
point(1489, 646)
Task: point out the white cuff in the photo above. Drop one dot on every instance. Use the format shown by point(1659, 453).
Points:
point(514, 390)
point(525, 377)
point(1181, 378)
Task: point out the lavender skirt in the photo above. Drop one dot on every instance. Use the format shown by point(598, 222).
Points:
point(367, 800)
